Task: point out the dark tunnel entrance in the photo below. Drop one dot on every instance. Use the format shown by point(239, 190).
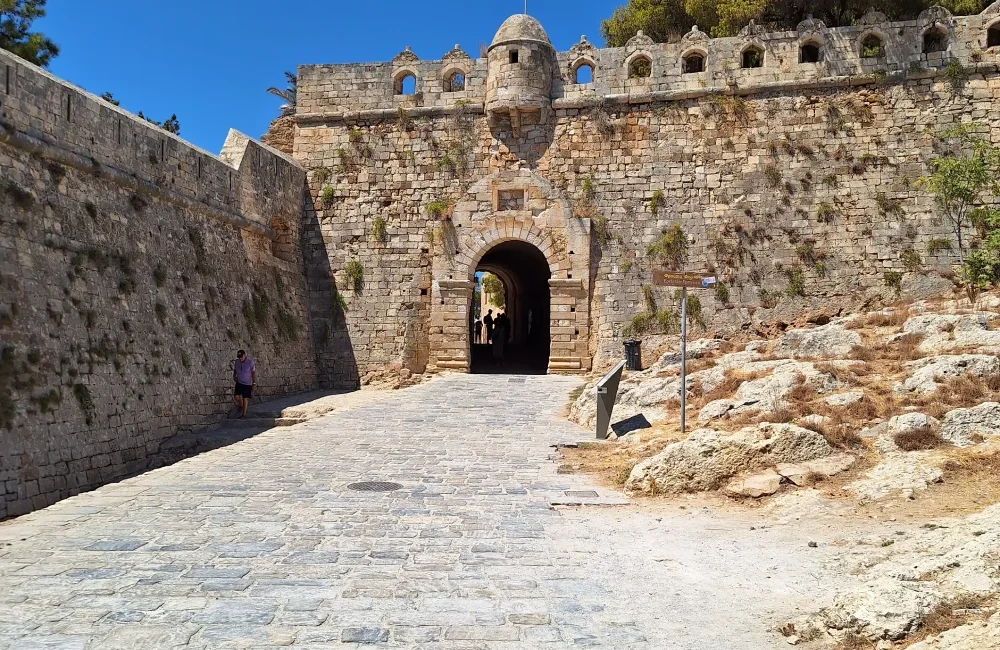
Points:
point(524, 273)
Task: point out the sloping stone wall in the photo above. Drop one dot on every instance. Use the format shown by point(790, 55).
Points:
point(132, 266)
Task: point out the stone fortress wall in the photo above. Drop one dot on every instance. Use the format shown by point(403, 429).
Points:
point(795, 177)
point(132, 266)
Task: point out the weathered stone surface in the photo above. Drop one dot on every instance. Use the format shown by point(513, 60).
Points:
point(928, 372)
point(708, 458)
point(824, 342)
point(978, 635)
point(755, 485)
point(845, 399)
point(947, 332)
point(802, 473)
point(967, 426)
point(901, 472)
point(884, 434)
point(768, 393)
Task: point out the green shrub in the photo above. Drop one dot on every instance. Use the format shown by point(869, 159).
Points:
point(288, 326)
point(439, 209)
point(768, 299)
point(911, 260)
point(657, 200)
point(888, 207)
point(796, 283)
point(354, 274)
point(378, 230)
point(671, 248)
point(826, 213)
point(722, 293)
point(893, 280)
point(772, 176)
point(327, 197)
point(86, 402)
point(956, 75)
point(587, 187)
point(938, 245)
point(601, 228)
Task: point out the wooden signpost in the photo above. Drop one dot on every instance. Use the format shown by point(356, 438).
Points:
point(685, 281)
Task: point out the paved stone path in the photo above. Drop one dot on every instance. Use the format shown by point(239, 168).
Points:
point(261, 544)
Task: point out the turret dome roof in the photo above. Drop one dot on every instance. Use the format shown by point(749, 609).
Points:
point(520, 27)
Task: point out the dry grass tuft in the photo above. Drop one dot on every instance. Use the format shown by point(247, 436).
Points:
point(957, 392)
point(852, 641)
point(849, 374)
point(918, 440)
point(947, 615)
point(841, 436)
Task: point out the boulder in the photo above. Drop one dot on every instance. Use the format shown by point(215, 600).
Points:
point(948, 332)
point(886, 432)
point(709, 458)
point(755, 486)
point(885, 609)
point(926, 373)
point(964, 427)
point(767, 394)
point(803, 473)
point(695, 349)
point(825, 342)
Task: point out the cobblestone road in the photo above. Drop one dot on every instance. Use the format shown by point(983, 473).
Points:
point(261, 544)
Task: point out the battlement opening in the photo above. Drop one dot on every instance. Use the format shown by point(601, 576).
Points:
point(513, 56)
point(405, 84)
point(935, 40)
point(693, 63)
point(993, 35)
point(810, 53)
point(872, 47)
point(640, 67)
point(454, 82)
point(753, 57)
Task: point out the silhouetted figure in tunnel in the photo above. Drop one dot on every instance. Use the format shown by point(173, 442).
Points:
point(478, 332)
point(500, 333)
point(488, 321)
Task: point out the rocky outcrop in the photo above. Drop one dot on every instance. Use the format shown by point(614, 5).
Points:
point(806, 473)
point(825, 342)
point(768, 394)
point(927, 373)
point(901, 472)
point(968, 426)
point(709, 458)
point(949, 332)
point(884, 434)
point(756, 485)
point(979, 635)
point(902, 577)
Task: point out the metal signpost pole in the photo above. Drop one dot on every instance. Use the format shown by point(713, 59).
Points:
point(684, 329)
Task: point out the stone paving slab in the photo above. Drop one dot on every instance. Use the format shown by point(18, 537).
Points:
point(262, 545)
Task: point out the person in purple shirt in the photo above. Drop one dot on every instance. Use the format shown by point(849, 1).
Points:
point(245, 376)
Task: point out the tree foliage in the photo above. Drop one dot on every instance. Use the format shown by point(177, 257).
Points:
point(668, 20)
point(495, 293)
point(289, 94)
point(171, 124)
point(16, 36)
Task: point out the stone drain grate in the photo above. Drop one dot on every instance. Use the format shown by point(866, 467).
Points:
point(582, 494)
point(374, 486)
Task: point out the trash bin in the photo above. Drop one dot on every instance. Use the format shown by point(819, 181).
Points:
point(633, 354)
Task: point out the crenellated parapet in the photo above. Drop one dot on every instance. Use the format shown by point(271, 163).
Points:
point(755, 60)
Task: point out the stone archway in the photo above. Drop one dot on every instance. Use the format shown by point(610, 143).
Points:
point(568, 297)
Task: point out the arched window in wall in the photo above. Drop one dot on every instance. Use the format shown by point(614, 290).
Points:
point(405, 84)
point(872, 47)
point(993, 35)
point(693, 63)
point(583, 73)
point(753, 57)
point(810, 53)
point(454, 81)
point(935, 40)
point(640, 67)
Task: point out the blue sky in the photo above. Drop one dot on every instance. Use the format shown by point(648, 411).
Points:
point(210, 61)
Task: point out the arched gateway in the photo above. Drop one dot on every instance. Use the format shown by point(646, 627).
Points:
point(513, 223)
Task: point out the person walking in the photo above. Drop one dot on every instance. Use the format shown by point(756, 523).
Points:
point(499, 338)
point(488, 322)
point(245, 376)
point(479, 331)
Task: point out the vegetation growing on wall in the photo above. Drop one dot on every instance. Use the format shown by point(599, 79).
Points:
point(354, 273)
point(670, 249)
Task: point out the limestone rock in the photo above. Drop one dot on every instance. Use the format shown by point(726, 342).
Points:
point(962, 427)
point(755, 486)
point(767, 394)
point(708, 458)
point(886, 608)
point(825, 342)
point(896, 473)
point(695, 349)
point(928, 372)
point(978, 635)
point(886, 432)
point(948, 332)
point(801, 473)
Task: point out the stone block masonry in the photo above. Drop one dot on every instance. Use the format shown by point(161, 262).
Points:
point(789, 159)
point(132, 266)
